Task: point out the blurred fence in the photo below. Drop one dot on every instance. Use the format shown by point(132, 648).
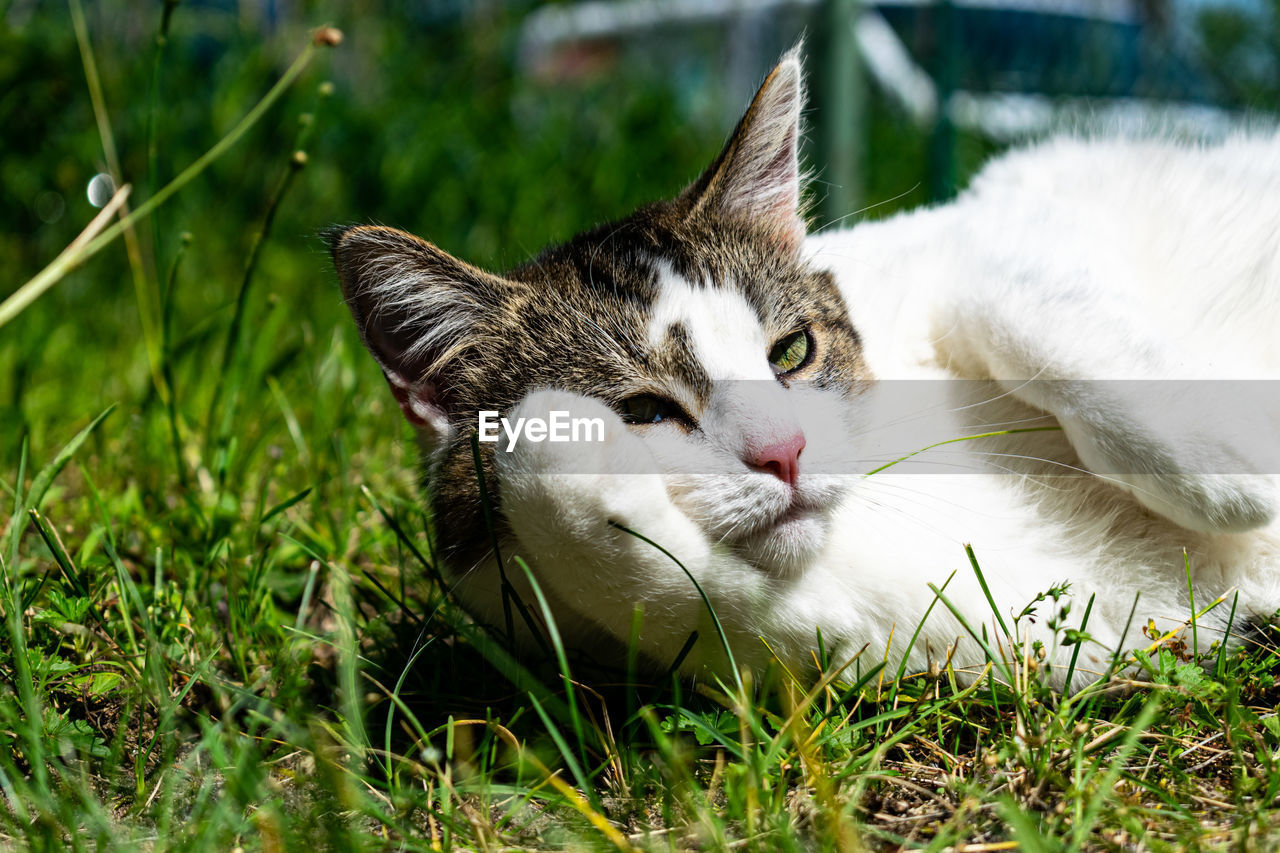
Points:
point(1002, 70)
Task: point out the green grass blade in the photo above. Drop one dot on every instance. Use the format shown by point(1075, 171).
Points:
point(986, 590)
point(715, 618)
point(43, 480)
point(562, 658)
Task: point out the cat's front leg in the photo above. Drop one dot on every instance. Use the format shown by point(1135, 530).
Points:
point(574, 507)
point(1136, 407)
point(1196, 452)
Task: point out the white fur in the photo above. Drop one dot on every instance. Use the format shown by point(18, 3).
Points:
point(722, 327)
point(1073, 261)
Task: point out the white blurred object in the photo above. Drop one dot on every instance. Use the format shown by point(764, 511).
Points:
point(100, 190)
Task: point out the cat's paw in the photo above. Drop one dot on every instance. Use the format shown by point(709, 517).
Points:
point(1211, 503)
point(575, 507)
point(1207, 464)
point(575, 484)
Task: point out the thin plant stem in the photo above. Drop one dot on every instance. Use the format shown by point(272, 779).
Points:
point(296, 162)
point(166, 364)
point(33, 289)
point(69, 260)
point(143, 286)
point(153, 111)
point(961, 438)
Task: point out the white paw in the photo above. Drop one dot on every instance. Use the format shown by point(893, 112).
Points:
point(568, 502)
point(1206, 464)
point(570, 487)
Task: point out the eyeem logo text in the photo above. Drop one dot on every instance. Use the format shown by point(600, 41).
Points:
point(558, 427)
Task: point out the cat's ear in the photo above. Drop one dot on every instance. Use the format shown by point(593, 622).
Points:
point(418, 309)
point(757, 175)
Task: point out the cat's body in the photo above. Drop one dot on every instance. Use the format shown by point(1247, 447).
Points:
point(1147, 268)
point(754, 405)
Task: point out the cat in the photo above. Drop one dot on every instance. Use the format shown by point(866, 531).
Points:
point(780, 411)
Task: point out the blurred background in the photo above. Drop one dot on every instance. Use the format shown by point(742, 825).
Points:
point(493, 127)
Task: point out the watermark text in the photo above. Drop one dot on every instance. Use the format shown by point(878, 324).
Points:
point(558, 426)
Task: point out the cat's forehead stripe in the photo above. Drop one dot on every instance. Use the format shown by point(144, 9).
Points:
point(721, 328)
point(681, 361)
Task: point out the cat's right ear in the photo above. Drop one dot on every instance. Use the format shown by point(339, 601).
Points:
point(418, 310)
point(757, 175)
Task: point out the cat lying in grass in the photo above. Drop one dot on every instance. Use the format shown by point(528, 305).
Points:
point(813, 427)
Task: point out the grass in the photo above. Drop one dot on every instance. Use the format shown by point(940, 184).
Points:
point(224, 626)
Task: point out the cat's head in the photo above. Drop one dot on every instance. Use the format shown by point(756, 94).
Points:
point(697, 319)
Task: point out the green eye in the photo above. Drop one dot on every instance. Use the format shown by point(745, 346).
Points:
point(651, 409)
point(792, 352)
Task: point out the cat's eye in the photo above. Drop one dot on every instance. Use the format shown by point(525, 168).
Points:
point(651, 409)
point(792, 352)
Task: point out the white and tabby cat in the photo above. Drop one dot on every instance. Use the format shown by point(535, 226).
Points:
point(741, 369)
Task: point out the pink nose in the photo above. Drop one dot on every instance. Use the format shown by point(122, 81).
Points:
point(780, 458)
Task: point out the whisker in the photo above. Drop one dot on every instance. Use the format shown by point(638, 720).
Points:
point(869, 207)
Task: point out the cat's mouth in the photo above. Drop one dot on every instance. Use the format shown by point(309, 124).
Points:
point(788, 539)
point(764, 521)
point(798, 511)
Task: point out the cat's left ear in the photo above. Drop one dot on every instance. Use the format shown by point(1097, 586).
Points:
point(423, 314)
point(757, 175)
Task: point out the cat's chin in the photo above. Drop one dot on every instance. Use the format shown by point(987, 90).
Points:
point(789, 545)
